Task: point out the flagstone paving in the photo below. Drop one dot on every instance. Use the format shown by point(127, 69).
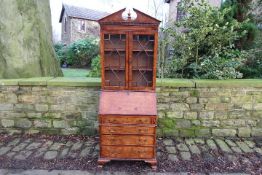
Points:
point(77, 172)
point(174, 155)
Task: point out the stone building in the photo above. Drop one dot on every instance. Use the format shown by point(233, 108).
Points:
point(175, 14)
point(79, 23)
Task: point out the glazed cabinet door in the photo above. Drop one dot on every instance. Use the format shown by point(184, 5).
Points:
point(114, 57)
point(142, 61)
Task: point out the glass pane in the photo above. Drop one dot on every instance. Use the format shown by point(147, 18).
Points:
point(142, 78)
point(114, 59)
point(114, 78)
point(114, 41)
point(141, 42)
point(142, 60)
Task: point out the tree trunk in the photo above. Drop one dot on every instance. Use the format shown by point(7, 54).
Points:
point(26, 40)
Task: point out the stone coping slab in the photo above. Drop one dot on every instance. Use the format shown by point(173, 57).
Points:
point(9, 82)
point(96, 82)
point(75, 82)
point(256, 83)
point(42, 81)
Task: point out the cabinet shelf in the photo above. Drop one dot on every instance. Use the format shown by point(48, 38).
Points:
point(141, 69)
point(143, 50)
point(114, 50)
point(114, 68)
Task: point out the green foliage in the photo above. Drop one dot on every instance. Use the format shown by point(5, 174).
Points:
point(222, 66)
point(79, 53)
point(251, 41)
point(257, 8)
point(95, 67)
point(203, 43)
point(253, 66)
point(240, 10)
point(60, 51)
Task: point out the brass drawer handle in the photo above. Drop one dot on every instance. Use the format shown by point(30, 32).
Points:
point(140, 121)
point(143, 130)
point(141, 152)
point(112, 130)
point(111, 121)
point(142, 140)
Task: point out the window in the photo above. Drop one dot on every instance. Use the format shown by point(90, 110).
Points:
point(180, 12)
point(65, 25)
point(82, 26)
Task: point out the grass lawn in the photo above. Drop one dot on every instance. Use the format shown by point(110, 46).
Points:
point(68, 72)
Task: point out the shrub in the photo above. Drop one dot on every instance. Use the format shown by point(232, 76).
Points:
point(95, 67)
point(81, 52)
point(203, 43)
point(253, 65)
point(60, 52)
point(251, 41)
point(77, 54)
point(240, 10)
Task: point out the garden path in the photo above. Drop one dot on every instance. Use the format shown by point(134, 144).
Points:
point(79, 154)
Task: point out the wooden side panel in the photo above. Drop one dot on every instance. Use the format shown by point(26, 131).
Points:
point(155, 60)
point(102, 59)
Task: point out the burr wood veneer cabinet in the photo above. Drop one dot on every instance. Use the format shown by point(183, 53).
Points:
point(127, 107)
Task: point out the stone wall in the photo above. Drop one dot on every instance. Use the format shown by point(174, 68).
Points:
point(73, 33)
point(211, 108)
point(186, 108)
point(66, 33)
point(173, 9)
point(92, 29)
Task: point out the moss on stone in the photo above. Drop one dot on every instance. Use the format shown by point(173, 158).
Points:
point(89, 131)
point(47, 117)
point(167, 122)
point(194, 93)
point(169, 132)
point(187, 132)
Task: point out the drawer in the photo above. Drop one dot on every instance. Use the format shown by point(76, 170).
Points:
point(128, 119)
point(127, 152)
point(127, 130)
point(127, 140)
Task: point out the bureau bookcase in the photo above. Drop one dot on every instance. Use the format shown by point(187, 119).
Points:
point(127, 106)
